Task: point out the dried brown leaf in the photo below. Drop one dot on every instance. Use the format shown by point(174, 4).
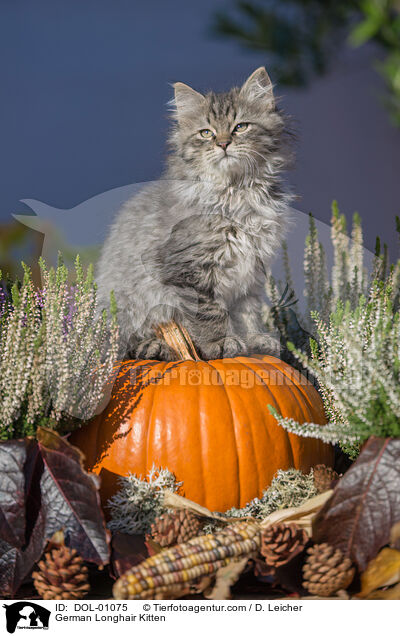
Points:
point(153, 547)
point(382, 571)
point(172, 500)
point(391, 594)
point(225, 578)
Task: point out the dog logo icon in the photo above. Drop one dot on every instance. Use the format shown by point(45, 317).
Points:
point(26, 615)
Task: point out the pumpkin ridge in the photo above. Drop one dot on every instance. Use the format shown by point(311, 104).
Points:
point(143, 383)
point(293, 439)
point(310, 412)
point(237, 462)
point(201, 445)
point(253, 436)
point(154, 398)
point(285, 369)
point(200, 421)
point(302, 397)
point(266, 385)
point(295, 391)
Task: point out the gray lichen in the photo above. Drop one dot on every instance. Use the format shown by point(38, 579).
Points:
point(139, 501)
point(289, 488)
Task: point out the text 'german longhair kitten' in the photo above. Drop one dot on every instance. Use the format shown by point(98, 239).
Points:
point(194, 245)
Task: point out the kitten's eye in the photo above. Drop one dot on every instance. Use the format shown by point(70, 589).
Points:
point(206, 133)
point(241, 127)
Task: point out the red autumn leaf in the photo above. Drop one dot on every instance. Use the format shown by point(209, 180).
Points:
point(33, 470)
point(70, 499)
point(365, 503)
point(44, 489)
point(9, 580)
point(12, 492)
point(16, 564)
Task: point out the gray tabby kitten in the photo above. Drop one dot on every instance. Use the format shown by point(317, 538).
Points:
point(194, 245)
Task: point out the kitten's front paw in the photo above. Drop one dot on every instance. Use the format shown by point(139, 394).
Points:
point(228, 347)
point(265, 344)
point(154, 349)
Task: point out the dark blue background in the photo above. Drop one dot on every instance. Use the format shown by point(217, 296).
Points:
point(84, 86)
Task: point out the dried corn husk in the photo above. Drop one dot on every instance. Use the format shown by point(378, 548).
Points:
point(303, 516)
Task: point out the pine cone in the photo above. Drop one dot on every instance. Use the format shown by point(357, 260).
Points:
point(326, 570)
point(62, 575)
point(323, 477)
point(175, 527)
point(281, 542)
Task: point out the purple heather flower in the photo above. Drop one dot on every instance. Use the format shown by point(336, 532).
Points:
point(2, 302)
point(5, 301)
point(40, 297)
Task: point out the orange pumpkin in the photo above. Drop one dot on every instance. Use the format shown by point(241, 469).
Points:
point(208, 423)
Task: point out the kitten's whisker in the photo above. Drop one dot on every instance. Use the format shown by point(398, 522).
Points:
point(248, 149)
point(250, 161)
point(267, 168)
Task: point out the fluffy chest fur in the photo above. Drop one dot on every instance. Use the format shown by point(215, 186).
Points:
point(222, 250)
point(240, 228)
point(233, 259)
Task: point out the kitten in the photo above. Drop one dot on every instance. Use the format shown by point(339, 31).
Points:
point(194, 245)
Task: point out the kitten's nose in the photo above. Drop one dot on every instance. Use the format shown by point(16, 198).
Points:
point(223, 143)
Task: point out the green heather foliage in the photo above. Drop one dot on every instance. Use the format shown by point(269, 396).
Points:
point(357, 365)
point(55, 354)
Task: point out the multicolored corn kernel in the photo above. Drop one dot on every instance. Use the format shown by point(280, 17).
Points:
point(175, 571)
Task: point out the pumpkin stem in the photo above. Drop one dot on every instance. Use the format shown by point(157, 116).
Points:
point(177, 337)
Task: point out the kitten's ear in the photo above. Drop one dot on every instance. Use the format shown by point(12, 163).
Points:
point(187, 100)
point(259, 86)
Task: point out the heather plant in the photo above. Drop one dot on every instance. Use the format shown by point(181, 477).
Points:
point(348, 278)
point(56, 355)
point(5, 302)
point(357, 365)
point(346, 281)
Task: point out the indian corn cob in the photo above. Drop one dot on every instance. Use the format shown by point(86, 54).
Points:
point(176, 571)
